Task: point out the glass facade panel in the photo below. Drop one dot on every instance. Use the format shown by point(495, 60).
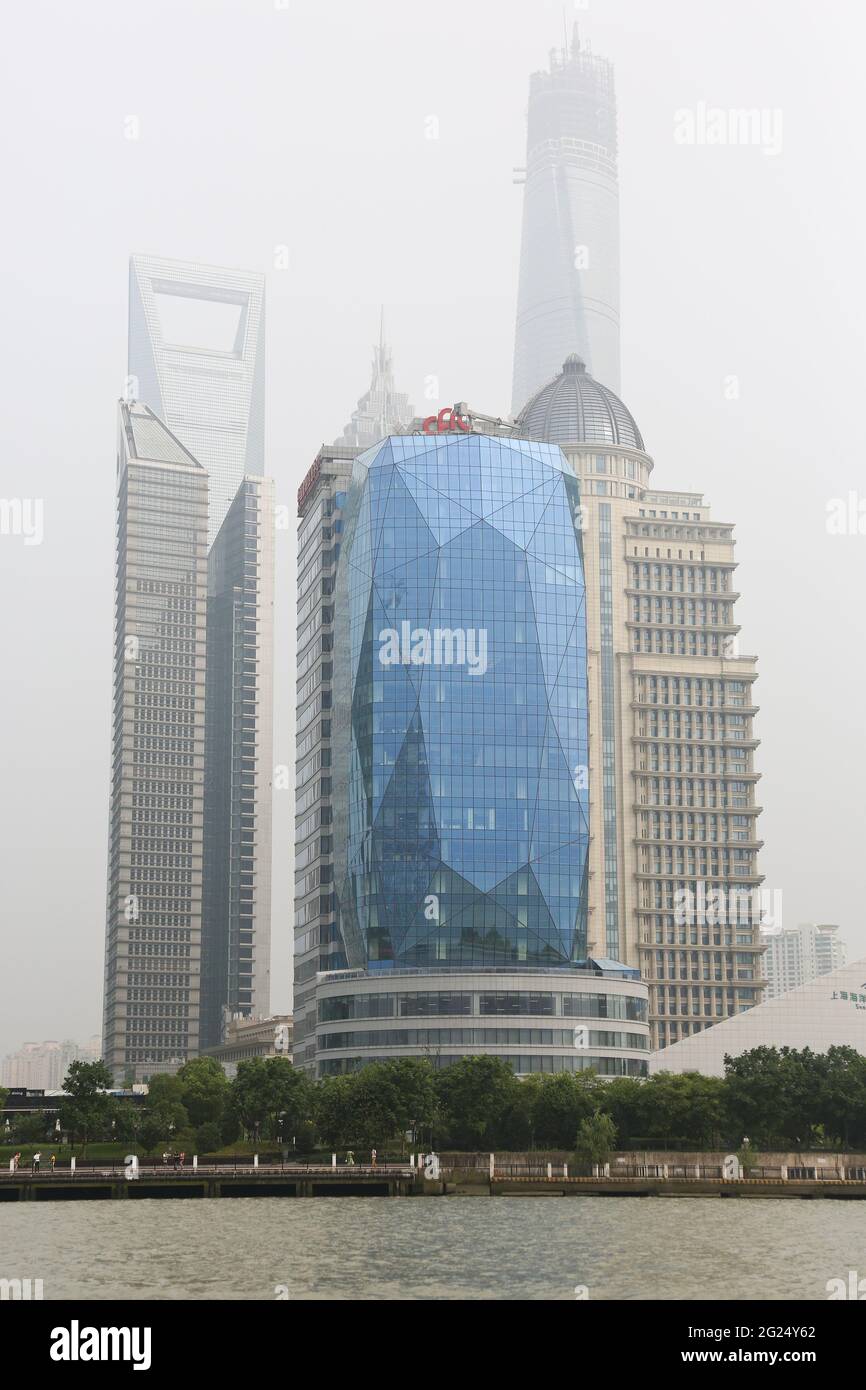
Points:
point(461, 825)
point(523, 1063)
point(475, 1037)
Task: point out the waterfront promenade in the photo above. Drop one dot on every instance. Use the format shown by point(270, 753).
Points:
point(227, 1180)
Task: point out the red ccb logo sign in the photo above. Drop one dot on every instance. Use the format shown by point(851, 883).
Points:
point(447, 420)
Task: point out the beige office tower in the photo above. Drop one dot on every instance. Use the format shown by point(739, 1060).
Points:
point(675, 887)
point(153, 925)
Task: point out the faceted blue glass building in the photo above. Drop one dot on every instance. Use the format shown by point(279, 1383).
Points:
point(461, 819)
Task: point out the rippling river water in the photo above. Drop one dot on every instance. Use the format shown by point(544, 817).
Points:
point(435, 1248)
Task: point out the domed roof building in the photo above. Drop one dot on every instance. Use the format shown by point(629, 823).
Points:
point(575, 408)
point(670, 703)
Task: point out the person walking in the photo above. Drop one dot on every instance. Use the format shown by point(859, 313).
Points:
point(16, 1161)
point(373, 1157)
point(37, 1159)
point(53, 1162)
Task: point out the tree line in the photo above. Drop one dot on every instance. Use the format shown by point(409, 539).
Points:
point(774, 1098)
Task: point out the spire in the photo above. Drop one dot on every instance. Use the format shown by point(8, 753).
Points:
point(382, 410)
point(381, 357)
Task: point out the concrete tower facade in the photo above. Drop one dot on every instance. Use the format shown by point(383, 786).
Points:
point(674, 881)
point(154, 908)
point(236, 936)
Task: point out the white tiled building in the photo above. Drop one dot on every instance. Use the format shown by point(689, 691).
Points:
point(827, 1012)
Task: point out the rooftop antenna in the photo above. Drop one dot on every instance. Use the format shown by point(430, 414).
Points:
point(565, 29)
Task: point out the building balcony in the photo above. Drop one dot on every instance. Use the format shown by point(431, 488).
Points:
point(748, 711)
point(702, 808)
point(642, 841)
point(686, 741)
point(727, 629)
point(715, 882)
point(714, 595)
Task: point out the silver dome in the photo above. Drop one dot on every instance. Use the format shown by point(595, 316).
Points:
point(574, 408)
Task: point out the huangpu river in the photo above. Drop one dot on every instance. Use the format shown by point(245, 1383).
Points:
point(435, 1248)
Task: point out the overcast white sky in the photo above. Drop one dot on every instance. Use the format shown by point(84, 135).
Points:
point(304, 124)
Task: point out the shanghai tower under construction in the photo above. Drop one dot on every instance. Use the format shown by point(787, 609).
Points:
point(568, 299)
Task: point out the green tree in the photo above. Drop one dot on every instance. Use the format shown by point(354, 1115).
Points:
point(86, 1111)
point(517, 1126)
point(774, 1095)
point(123, 1120)
point(687, 1109)
point(208, 1138)
point(376, 1108)
point(412, 1083)
point(33, 1129)
point(164, 1089)
point(334, 1114)
point(271, 1097)
point(205, 1090)
point(623, 1099)
point(841, 1104)
point(596, 1139)
point(475, 1095)
point(164, 1124)
point(561, 1102)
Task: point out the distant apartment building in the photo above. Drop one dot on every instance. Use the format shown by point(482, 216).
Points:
point(42, 1066)
point(797, 955)
point(154, 907)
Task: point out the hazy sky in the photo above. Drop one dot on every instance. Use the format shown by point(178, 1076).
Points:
point(305, 124)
